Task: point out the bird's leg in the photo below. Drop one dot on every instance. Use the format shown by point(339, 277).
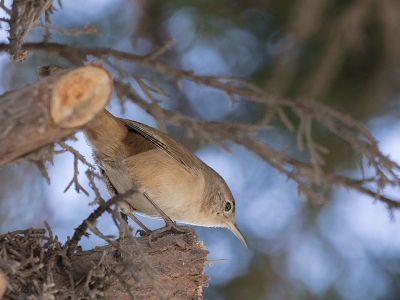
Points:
point(169, 224)
point(145, 231)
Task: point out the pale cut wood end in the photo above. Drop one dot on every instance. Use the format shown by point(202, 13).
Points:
point(80, 95)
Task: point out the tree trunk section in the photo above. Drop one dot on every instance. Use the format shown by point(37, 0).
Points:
point(37, 267)
point(50, 110)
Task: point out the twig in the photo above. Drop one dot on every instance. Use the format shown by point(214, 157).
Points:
point(87, 29)
point(104, 206)
point(160, 51)
point(91, 175)
point(74, 180)
point(76, 153)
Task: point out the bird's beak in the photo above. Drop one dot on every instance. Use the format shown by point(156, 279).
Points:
point(236, 231)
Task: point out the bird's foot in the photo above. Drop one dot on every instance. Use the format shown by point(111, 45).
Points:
point(170, 227)
point(186, 234)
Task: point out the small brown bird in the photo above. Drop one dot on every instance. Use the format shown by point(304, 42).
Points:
point(178, 182)
point(170, 175)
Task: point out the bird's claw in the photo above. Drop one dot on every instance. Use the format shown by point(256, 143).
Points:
point(169, 228)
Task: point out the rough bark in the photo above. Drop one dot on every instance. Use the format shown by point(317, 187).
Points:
point(36, 267)
point(179, 269)
point(3, 284)
point(50, 110)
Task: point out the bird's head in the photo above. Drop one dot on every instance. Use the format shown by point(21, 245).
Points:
point(220, 204)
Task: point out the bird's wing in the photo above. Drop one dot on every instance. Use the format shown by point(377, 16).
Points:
point(175, 149)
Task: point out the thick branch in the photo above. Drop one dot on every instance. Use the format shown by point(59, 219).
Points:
point(50, 110)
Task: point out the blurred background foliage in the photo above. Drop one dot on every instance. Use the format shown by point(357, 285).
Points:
point(343, 53)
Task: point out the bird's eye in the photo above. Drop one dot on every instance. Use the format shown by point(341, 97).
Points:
point(228, 206)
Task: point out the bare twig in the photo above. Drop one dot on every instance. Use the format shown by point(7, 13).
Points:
point(87, 29)
point(81, 230)
point(91, 176)
point(23, 15)
point(76, 154)
point(77, 157)
point(75, 181)
point(160, 51)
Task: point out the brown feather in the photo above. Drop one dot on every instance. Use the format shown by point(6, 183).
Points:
point(175, 149)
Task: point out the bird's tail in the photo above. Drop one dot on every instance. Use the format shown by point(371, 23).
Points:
point(105, 133)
